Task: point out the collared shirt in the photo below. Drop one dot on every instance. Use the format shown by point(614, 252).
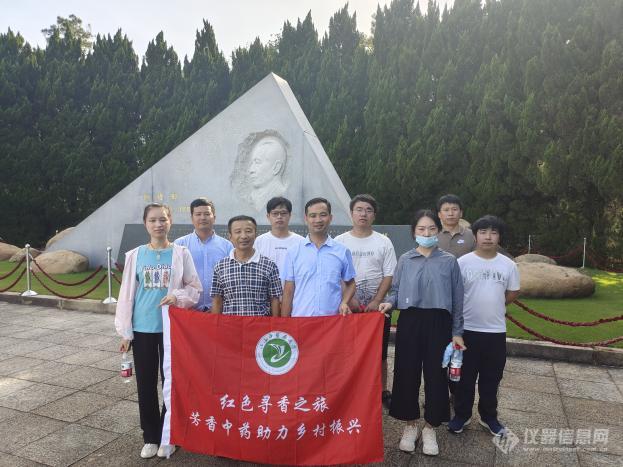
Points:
point(459, 243)
point(246, 288)
point(317, 274)
point(205, 256)
point(432, 281)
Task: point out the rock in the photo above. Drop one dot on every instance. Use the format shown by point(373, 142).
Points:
point(533, 258)
point(58, 236)
point(61, 262)
point(542, 280)
point(6, 251)
point(17, 257)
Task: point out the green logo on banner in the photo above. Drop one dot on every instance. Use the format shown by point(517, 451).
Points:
point(276, 353)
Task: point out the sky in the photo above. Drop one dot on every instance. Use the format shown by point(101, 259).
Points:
point(236, 22)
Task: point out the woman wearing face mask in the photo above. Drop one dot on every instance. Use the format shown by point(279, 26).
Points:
point(428, 290)
point(159, 273)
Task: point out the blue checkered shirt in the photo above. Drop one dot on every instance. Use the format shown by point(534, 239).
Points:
point(246, 288)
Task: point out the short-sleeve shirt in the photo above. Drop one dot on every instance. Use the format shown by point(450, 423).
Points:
point(246, 288)
point(459, 243)
point(374, 258)
point(317, 274)
point(205, 256)
point(276, 248)
point(485, 282)
point(153, 273)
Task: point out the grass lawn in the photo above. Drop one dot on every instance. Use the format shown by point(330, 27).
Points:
point(71, 291)
point(607, 301)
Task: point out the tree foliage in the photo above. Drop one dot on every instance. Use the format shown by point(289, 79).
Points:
point(515, 105)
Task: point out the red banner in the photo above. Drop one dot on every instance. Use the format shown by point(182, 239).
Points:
point(275, 390)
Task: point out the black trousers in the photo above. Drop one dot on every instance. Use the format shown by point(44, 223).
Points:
point(148, 357)
point(484, 360)
point(421, 338)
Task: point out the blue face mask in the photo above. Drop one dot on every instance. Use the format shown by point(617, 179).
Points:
point(426, 242)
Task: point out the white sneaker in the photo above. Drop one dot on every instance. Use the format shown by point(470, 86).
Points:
point(409, 436)
point(429, 440)
point(166, 450)
point(149, 450)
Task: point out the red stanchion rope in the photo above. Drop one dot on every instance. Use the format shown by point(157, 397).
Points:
point(67, 296)
point(119, 267)
point(560, 342)
point(115, 278)
point(601, 266)
point(569, 254)
point(567, 323)
point(69, 284)
point(14, 269)
point(14, 283)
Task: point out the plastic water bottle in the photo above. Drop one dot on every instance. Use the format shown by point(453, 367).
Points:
point(456, 362)
point(127, 367)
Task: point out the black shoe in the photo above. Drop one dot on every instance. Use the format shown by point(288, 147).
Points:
point(386, 398)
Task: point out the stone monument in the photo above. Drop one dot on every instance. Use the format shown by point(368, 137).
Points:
point(261, 146)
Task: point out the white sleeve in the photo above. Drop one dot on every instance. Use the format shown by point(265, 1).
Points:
point(513, 278)
point(389, 261)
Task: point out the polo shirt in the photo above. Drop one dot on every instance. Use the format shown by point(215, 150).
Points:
point(247, 288)
point(459, 243)
point(205, 256)
point(317, 274)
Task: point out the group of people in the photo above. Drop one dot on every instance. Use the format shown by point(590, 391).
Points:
point(453, 286)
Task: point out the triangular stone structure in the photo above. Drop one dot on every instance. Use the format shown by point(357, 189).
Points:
point(262, 145)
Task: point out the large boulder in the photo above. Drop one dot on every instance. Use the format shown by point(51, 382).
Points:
point(534, 258)
point(17, 257)
point(542, 280)
point(6, 251)
point(58, 236)
point(61, 262)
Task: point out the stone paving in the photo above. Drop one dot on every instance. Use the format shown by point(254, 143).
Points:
point(63, 403)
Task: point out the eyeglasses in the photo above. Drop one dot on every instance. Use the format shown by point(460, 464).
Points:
point(279, 213)
point(364, 210)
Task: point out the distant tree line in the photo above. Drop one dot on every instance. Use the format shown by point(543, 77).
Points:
point(514, 105)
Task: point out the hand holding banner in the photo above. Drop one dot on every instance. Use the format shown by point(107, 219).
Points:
point(274, 390)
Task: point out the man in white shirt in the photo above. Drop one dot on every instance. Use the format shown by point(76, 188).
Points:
point(374, 259)
point(490, 281)
point(275, 244)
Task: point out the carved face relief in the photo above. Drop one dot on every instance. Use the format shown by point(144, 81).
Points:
point(260, 172)
point(266, 162)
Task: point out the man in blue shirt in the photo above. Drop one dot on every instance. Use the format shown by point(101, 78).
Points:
point(205, 246)
point(314, 269)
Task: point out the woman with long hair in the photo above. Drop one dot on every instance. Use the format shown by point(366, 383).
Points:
point(428, 290)
point(156, 274)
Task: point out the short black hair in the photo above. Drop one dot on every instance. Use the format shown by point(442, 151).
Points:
point(313, 201)
point(201, 202)
point(240, 218)
point(278, 201)
point(157, 205)
point(424, 213)
point(364, 198)
point(490, 222)
point(449, 199)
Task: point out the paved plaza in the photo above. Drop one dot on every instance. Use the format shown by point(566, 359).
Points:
point(62, 402)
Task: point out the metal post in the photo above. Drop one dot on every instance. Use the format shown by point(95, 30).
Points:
point(28, 292)
point(529, 243)
point(110, 298)
point(584, 254)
